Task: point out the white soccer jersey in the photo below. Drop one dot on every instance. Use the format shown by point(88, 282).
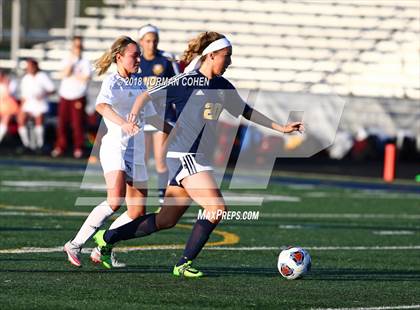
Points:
point(120, 93)
point(34, 89)
point(72, 88)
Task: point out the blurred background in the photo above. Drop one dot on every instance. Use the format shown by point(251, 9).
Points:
point(359, 57)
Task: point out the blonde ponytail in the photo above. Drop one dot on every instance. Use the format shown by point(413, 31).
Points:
point(197, 45)
point(103, 63)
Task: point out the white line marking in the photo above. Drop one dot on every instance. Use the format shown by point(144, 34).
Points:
point(374, 308)
point(354, 216)
point(393, 232)
point(25, 250)
point(342, 215)
point(55, 184)
point(230, 197)
point(291, 227)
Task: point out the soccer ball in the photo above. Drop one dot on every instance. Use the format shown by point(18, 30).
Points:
point(294, 262)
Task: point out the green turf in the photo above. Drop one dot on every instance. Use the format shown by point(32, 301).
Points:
point(323, 217)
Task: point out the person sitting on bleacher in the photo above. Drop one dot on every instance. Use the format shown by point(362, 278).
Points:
point(35, 87)
point(8, 104)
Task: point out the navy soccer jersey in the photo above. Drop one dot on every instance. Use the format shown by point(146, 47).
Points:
point(156, 72)
point(199, 103)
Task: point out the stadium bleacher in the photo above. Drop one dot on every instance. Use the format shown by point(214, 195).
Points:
point(359, 48)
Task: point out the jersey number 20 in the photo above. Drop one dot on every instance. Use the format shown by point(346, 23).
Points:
point(212, 111)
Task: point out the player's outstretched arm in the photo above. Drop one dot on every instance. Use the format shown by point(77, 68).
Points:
point(141, 100)
point(260, 119)
point(106, 111)
point(160, 123)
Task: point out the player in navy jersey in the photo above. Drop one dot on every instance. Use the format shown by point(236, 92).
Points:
point(156, 67)
point(200, 94)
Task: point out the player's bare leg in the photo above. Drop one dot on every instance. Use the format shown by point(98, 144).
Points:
point(115, 181)
point(202, 188)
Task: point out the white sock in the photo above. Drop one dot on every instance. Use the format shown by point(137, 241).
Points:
point(94, 221)
point(39, 136)
point(3, 130)
point(23, 134)
point(121, 220)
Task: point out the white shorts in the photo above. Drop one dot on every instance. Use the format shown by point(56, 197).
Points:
point(182, 165)
point(112, 159)
point(150, 128)
point(34, 107)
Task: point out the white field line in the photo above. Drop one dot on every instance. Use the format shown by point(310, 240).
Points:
point(230, 197)
point(26, 250)
point(362, 195)
point(393, 232)
point(55, 184)
point(38, 211)
point(100, 186)
point(374, 308)
point(343, 215)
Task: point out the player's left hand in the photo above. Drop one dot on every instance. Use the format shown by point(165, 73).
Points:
point(132, 118)
point(295, 126)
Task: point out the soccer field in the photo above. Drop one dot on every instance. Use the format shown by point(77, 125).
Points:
point(364, 245)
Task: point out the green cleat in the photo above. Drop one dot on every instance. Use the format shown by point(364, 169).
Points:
point(187, 271)
point(99, 238)
point(106, 249)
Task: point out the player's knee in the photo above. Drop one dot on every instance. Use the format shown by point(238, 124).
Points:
point(115, 203)
point(134, 214)
point(215, 213)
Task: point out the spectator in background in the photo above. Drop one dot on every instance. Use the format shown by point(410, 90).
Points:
point(157, 66)
point(75, 74)
point(35, 87)
point(8, 104)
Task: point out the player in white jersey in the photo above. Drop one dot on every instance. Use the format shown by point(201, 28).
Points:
point(122, 149)
point(35, 87)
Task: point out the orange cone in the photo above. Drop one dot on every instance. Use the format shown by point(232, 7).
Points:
point(389, 163)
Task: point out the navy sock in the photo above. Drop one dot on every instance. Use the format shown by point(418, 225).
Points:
point(198, 238)
point(140, 227)
point(162, 183)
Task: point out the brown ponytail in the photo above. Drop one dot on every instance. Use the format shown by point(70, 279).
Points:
point(197, 45)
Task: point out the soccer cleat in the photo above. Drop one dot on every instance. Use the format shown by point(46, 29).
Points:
point(99, 238)
point(73, 253)
point(187, 271)
point(95, 255)
point(96, 258)
point(105, 249)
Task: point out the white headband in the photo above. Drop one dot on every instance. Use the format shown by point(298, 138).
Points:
point(213, 46)
point(147, 29)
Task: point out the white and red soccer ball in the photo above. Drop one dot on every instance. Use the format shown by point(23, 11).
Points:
point(294, 262)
